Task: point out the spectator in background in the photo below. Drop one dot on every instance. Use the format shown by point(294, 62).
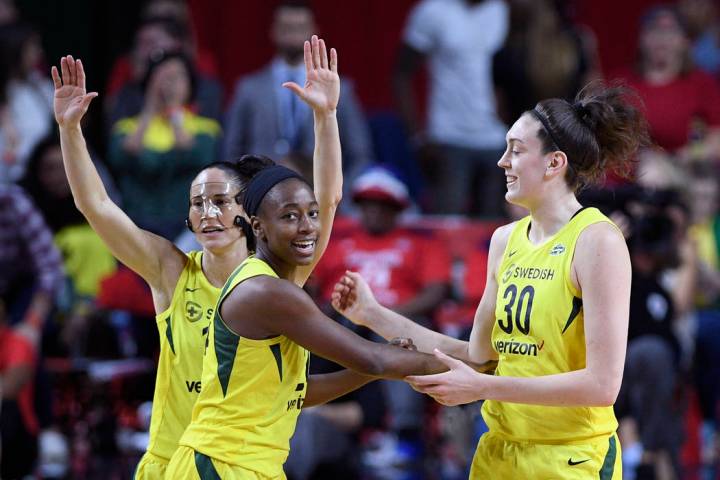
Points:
point(682, 103)
point(131, 67)
point(30, 263)
point(649, 414)
point(154, 37)
point(701, 19)
point(464, 138)
point(544, 56)
point(407, 270)
point(156, 154)
point(267, 119)
point(85, 258)
point(19, 426)
point(25, 99)
point(703, 197)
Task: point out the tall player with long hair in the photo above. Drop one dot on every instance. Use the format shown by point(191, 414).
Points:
point(184, 287)
point(555, 309)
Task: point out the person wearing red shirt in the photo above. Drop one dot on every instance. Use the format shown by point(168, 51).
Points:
point(407, 269)
point(681, 103)
point(18, 423)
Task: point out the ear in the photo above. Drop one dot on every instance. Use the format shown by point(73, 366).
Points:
point(257, 228)
point(556, 163)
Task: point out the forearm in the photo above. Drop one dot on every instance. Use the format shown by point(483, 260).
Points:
point(326, 387)
point(87, 187)
point(579, 388)
point(389, 325)
point(327, 160)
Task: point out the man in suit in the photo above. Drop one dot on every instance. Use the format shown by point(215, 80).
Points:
point(265, 118)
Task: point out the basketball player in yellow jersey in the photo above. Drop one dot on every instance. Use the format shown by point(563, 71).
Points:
point(555, 310)
point(255, 369)
point(185, 288)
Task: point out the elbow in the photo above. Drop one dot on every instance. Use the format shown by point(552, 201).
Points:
point(606, 392)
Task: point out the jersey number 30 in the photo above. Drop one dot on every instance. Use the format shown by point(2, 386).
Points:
point(524, 300)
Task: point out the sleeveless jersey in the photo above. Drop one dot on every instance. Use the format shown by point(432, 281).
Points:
point(252, 393)
point(183, 328)
point(539, 330)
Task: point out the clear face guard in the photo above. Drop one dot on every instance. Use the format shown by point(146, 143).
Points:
point(211, 199)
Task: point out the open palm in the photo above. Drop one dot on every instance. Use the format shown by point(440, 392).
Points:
point(322, 86)
point(71, 99)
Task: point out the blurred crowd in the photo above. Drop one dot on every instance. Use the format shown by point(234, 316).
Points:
point(422, 193)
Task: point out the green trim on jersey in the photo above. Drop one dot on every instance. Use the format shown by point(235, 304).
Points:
point(205, 468)
point(168, 333)
point(576, 309)
point(608, 468)
point(275, 349)
point(226, 344)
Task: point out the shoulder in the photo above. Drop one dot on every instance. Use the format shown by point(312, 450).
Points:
point(263, 293)
point(498, 244)
point(501, 236)
point(600, 242)
point(699, 77)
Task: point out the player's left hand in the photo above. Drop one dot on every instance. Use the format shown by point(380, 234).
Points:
point(322, 85)
point(461, 384)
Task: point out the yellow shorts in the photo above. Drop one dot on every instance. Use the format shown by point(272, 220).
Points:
point(150, 467)
point(497, 458)
point(187, 464)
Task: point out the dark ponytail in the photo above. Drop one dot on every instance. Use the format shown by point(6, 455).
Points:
point(599, 132)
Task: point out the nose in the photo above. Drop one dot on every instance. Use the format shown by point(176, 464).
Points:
point(504, 161)
point(307, 224)
point(210, 209)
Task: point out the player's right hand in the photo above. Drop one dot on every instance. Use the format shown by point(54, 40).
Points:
point(71, 99)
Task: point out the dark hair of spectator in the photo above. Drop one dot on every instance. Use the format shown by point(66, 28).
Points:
point(293, 4)
point(13, 39)
point(600, 131)
point(163, 57)
point(170, 25)
point(58, 212)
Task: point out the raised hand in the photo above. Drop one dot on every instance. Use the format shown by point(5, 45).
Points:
point(353, 298)
point(322, 85)
point(71, 99)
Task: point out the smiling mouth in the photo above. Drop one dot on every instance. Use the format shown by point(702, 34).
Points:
point(510, 179)
point(212, 229)
point(305, 247)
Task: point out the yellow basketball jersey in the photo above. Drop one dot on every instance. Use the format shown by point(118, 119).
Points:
point(183, 329)
point(539, 330)
point(252, 393)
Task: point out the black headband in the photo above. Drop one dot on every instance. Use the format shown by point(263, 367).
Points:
point(542, 119)
point(262, 182)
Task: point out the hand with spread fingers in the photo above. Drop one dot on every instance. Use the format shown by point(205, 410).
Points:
point(322, 85)
point(353, 298)
point(71, 98)
point(461, 384)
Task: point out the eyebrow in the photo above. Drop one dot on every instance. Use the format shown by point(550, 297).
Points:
point(513, 139)
point(296, 205)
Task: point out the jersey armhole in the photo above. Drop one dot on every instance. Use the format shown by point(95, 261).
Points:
point(177, 290)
